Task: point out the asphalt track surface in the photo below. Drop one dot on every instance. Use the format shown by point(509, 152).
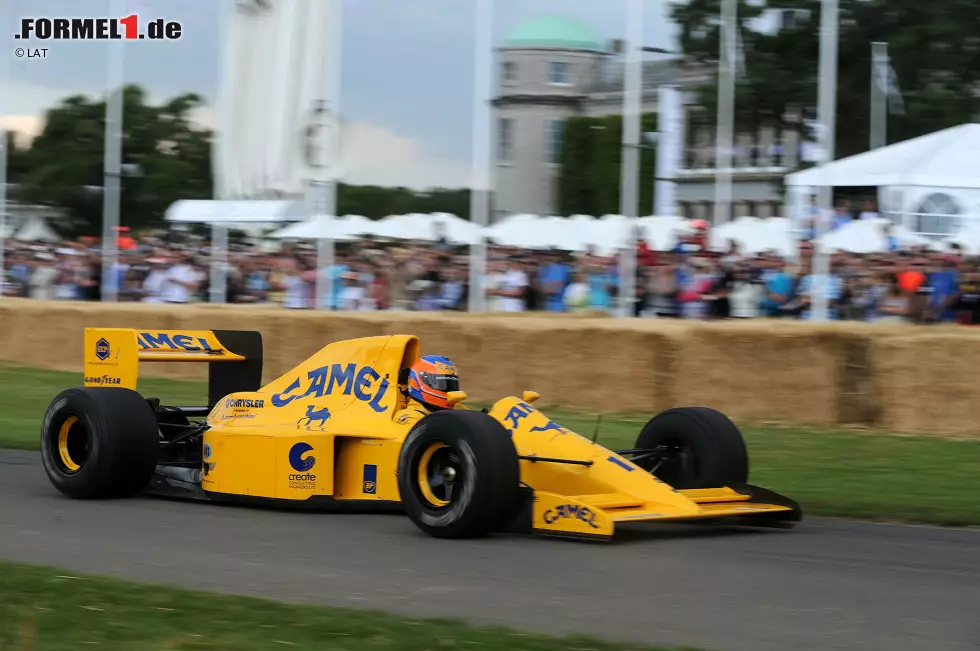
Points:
point(825, 585)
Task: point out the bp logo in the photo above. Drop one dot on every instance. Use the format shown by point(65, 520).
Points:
point(102, 350)
point(296, 459)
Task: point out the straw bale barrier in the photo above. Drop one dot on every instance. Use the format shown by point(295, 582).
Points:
point(901, 378)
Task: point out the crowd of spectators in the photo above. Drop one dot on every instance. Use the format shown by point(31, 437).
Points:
point(689, 281)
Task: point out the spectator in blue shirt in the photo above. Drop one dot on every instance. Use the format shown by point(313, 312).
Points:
point(555, 276)
point(943, 285)
point(603, 280)
point(807, 291)
point(778, 289)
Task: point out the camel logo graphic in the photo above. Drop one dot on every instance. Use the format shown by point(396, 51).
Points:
point(314, 415)
point(296, 459)
point(550, 426)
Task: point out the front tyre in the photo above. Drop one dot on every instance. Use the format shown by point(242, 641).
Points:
point(458, 474)
point(701, 448)
point(99, 442)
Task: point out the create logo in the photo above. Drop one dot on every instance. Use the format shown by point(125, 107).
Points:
point(326, 380)
point(296, 459)
point(102, 349)
point(98, 29)
point(571, 511)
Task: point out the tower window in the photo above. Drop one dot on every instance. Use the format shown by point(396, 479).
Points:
point(558, 72)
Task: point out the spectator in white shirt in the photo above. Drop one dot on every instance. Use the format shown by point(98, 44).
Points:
point(512, 288)
point(182, 280)
point(869, 210)
point(154, 282)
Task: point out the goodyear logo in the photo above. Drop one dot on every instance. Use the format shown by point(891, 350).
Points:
point(370, 486)
point(572, 512)
point(102, 349)
point(103, 380)
point(334, 378)
point(244, 403)
point(178, 341)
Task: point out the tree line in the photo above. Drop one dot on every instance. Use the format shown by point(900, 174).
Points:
point(166, 158)
point(934, 48)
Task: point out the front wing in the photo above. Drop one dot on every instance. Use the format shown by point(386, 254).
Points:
point(596, 516)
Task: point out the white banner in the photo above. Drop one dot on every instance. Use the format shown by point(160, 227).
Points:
point(670, 149)
point(276, 128)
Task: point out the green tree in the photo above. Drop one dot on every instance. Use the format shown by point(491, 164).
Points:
point(591, 160)
point(934, 48)
point(64, 165)
point(171, 157)
point(375, 202)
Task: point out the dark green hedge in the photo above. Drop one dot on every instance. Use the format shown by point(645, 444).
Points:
point(591, 156)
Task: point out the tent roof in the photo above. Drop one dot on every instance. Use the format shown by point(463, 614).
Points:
point(231, 212)
point(944, 159)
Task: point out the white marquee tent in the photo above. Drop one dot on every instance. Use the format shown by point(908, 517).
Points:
point(944, 159)
point(225, 215)
point(606, 235)
point(231, 213)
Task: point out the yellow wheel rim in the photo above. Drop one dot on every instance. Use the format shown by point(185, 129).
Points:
point(423, 475)
point(63, 452)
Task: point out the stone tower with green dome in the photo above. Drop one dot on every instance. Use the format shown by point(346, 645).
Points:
point(545, 70)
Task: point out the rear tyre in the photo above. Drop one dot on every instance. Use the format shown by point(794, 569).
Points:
point(99, 442)
point(704, 448)
point(458, 474)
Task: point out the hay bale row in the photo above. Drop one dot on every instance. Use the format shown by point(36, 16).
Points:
point(902, 378)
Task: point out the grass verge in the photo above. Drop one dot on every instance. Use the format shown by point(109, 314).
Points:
point(45, 609)
point(830, 472)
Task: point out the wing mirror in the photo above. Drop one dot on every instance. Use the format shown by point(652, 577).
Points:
point(530, 396)
point(456, 396)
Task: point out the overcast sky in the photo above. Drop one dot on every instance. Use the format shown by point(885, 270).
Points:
point(407, 71)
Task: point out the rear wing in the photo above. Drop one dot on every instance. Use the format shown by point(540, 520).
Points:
point(113, 356)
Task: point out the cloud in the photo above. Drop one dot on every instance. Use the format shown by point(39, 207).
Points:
point(371, 154)
point(24, 127)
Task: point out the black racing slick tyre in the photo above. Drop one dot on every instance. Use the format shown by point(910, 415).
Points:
point(99, 442)
point(458, 474)
point(702, 448)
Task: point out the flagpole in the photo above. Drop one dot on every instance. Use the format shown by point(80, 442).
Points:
point(222, 189)
point(5, 15)
point(724, 136)
point(827, 117)
point(480, 186)
point(629, 196)
point(325, 250)
point(879, 106)
point(111, 184)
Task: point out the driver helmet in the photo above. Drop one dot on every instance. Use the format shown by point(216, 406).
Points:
point(430, 379)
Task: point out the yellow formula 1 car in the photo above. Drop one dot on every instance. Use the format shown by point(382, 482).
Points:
point(329, 433)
